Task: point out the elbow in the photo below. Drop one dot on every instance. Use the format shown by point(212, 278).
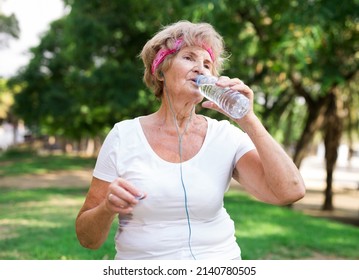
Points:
point(91, 246)
point(295, 192)
point(299, 187)
point(86, 241)
point(301, 192)
point(294, 197)
point(88, 244)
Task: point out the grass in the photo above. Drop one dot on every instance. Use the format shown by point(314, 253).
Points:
point(38, 223)
point(19, 162)
point(271, 232)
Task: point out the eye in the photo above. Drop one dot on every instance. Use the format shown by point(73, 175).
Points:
point(187, 57)
point(208, 65)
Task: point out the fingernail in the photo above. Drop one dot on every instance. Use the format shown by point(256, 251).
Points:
point(139, 197)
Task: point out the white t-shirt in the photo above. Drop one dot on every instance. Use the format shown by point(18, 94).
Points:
point(158, 227)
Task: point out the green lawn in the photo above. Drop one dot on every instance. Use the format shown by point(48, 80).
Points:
point(19, 162)
point(272, 232)
point(38, 223)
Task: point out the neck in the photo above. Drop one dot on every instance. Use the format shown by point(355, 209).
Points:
point(172, 116)
point(177, 109)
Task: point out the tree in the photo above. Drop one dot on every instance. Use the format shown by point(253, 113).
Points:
point(86, 70)
point(303, 50)
point(9, 28)
point(300, 57)
point(6, 100)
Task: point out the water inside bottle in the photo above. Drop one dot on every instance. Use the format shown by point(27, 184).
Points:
point(232, 102)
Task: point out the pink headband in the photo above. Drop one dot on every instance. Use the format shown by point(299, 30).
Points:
point(161, 55)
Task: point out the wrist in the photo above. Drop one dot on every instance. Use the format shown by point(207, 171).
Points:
point(106, 209)
point(252, 125)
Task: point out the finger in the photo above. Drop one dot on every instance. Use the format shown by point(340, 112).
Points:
point(117, 201)
point(244, 89)
point(225, 81)
point(133, 190)
point(118, 205)
point(126, 191)
point(209, 105)
point(213, 106)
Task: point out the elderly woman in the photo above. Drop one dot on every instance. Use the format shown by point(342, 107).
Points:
point(164, 175)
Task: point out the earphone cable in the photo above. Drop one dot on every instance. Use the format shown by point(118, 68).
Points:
point(180, 136)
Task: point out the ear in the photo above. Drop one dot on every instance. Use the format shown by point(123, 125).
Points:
point(162, 77)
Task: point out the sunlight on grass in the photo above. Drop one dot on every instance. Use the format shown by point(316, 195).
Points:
point(262, 230)
point(265, 231)
point(13, 163)
point(55, 202)
point(13, 255)
point(40, 224)
point(7, 232)
point(27, 222)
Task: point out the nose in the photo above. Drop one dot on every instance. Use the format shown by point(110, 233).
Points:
point(199, 69)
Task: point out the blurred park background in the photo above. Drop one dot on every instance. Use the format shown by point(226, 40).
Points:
point(300, 58)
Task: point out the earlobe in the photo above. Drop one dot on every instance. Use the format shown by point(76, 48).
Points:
point(162, 77)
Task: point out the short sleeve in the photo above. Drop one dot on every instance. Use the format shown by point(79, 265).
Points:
point(245, 146)
point(245, 143)
point(105, 168)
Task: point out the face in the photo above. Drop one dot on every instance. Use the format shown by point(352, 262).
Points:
point(186, 65)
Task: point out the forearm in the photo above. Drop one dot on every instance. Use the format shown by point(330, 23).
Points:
point(280, 175)
point(93, 226)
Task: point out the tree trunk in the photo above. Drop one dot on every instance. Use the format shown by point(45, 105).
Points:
point(332, 134)
point(314, 123)
point(328, 192)
point(351, 127)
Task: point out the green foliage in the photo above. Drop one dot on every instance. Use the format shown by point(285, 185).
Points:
point(6, 100)
point(276, 42)
point(85, 74)
point(9, 26)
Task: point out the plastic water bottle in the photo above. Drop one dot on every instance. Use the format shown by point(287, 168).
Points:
point(232, 102)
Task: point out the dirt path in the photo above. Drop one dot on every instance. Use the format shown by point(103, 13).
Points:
point(68, 178)
point(345, 189)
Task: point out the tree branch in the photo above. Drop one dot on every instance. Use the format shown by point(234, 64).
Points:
point(300, 90)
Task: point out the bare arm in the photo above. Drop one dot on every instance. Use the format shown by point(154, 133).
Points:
point(103, 202)
point(268, 172)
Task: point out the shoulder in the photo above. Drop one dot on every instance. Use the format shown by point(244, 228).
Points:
point(228, 133)
point(119, 131)
point(125, 125)
point(223, 126)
